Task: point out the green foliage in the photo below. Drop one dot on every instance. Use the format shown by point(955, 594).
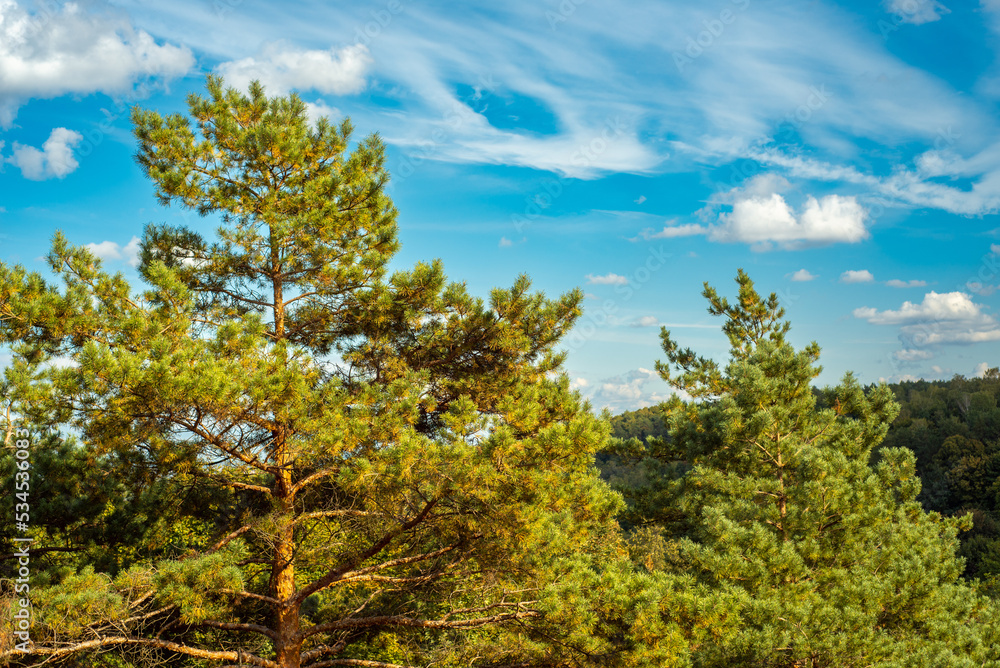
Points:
point(194, 586)
point(78, 601)
point(953, 427)
point(837, 563)
point(325, 462)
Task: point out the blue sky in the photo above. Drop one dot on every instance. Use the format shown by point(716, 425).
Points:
point(846, 154)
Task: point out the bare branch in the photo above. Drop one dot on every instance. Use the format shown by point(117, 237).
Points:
point(335, 574)
point(54, 653)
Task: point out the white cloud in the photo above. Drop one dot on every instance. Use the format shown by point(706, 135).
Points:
point(948, 318)
point(638, 388)
point(761, 217)
point(916, 11)
point(896, 283)
point(779, 61)
point(981, 370)
point(110, 250)
point(646, 321)
point(642, 198)
point(762, 220)
point(903, 378)
point(66, 50)
point(907, 187)
point(802, 275)
point(282, 68)
point(950, 306)
point(857, 276)
point(318, 108)
point(912, 355)
point(981, 289)
point(505, 242)
point(606, 279)
point(671, 232)
point(54, 160)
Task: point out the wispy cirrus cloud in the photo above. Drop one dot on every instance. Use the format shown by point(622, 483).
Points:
point(609, 107)
point(916, 12)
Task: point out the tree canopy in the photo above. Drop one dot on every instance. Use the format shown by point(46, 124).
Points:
point(389, 470)
point(831, 560)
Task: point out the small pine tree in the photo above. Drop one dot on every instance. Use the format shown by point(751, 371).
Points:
point(837, 562)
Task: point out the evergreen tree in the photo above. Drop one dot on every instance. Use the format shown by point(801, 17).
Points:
point(398, 471)
point(837, 563)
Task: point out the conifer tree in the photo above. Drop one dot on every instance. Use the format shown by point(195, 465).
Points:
point(832, 560)
point(400, 474)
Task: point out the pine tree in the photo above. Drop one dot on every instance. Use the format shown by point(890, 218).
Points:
point(832, 559)
point(399, 471)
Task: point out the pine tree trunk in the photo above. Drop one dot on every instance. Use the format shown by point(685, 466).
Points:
point(287, 644)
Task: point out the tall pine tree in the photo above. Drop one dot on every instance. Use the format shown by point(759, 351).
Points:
point(400, 474)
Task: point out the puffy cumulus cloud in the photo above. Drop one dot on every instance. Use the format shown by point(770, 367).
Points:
point(110, 250)
point(761, 217)
point(606, 279)
point(857, 276)
point(949, 306)
point(916, 11)
point(54, 160)
point(766, 219)
point(896, 283)
point(948, 318)
point(67, 50)
point(801, 276)
point(282, 68)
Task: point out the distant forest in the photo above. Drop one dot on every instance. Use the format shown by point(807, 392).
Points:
point(953, 428)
